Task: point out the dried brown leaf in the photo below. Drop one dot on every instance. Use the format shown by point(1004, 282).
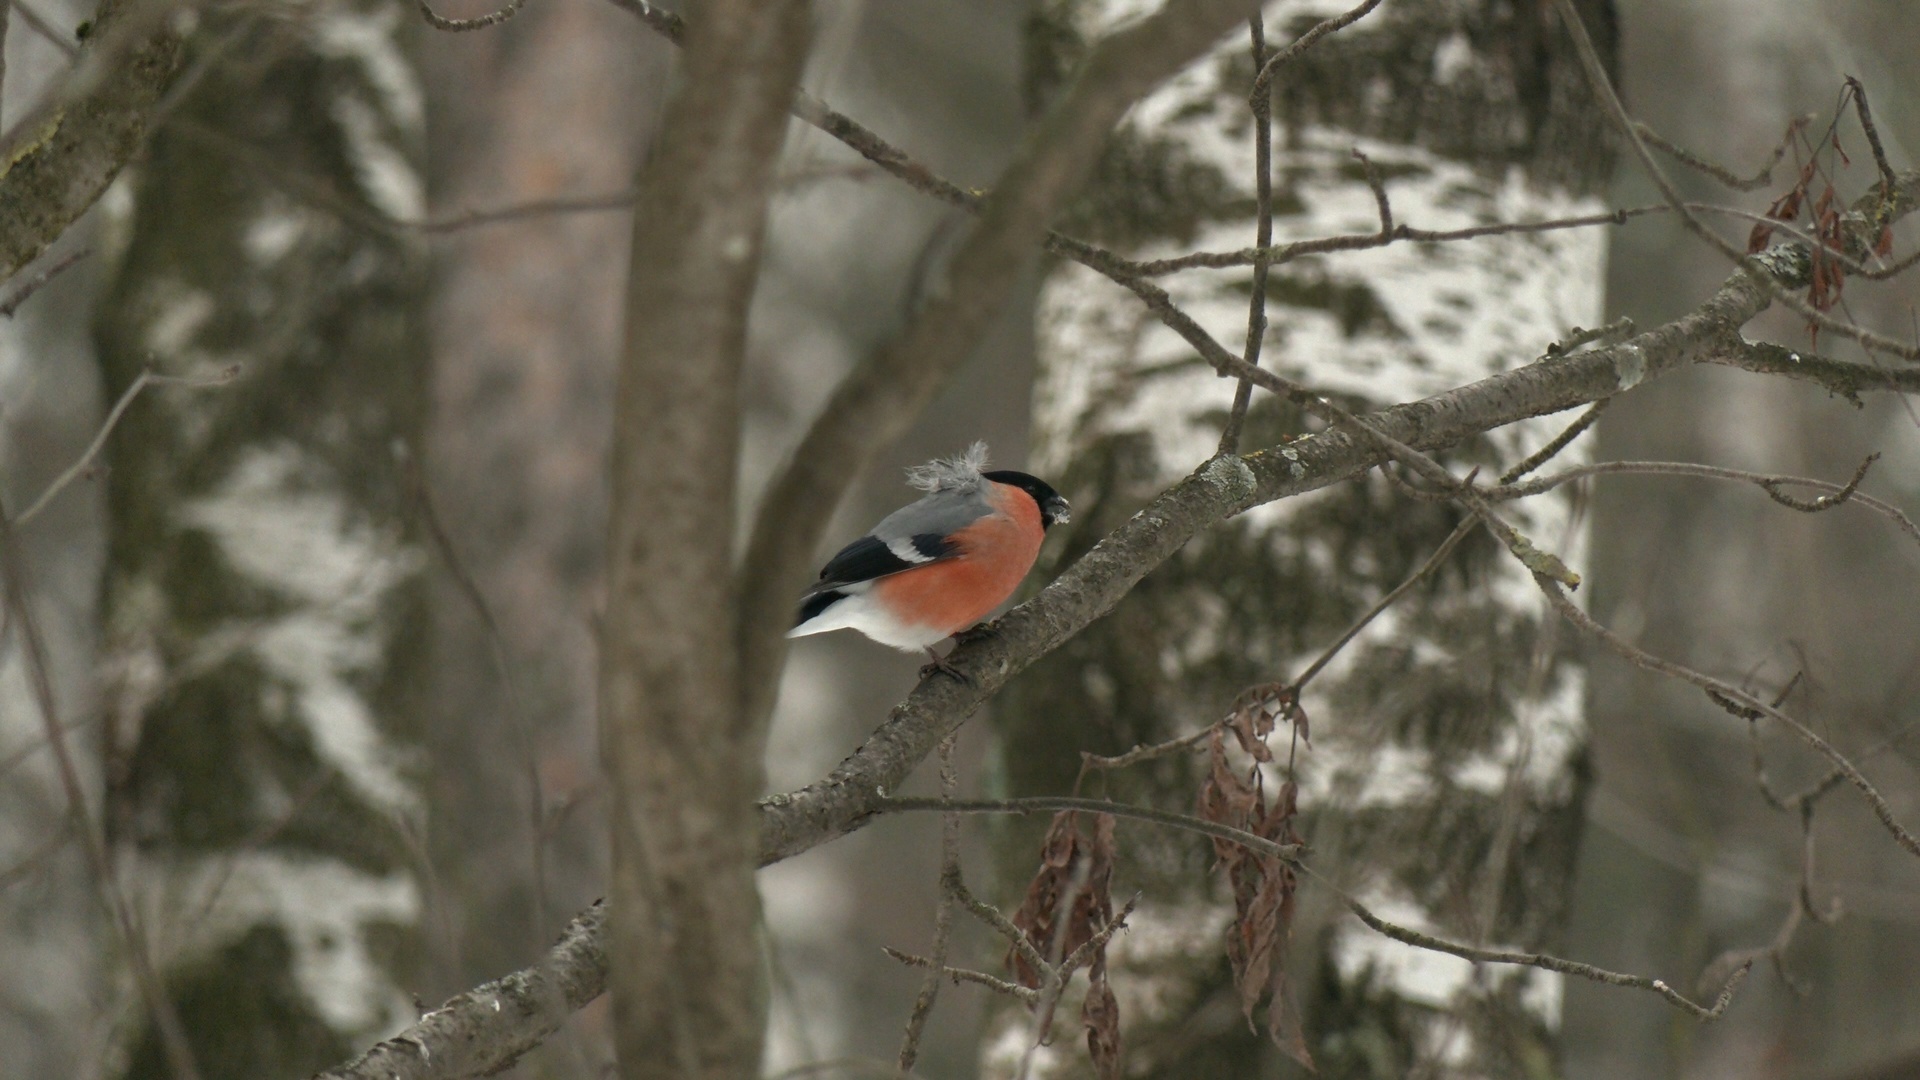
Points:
point(1283, 1023)
point(1263, 891)
point(1100, 1012)
point(1075, 871)
point(1262, 884)
point(1824, 203)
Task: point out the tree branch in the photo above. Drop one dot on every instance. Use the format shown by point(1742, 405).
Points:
point(877, 402)
point(490, 1027)
point(683, 770)
point(67, 152)
point(856, 790)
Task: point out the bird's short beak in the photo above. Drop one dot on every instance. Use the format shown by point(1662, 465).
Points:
point(1059, 511)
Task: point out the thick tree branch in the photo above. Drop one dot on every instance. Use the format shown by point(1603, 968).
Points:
point(877, 402)
point(488, 1028)
point(63, 156)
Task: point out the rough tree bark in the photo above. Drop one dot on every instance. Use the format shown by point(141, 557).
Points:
point(683, 766)
point(263, 605)
point(1445, 765)
point(64, 155)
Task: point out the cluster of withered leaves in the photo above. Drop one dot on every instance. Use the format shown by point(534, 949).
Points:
point(1068, 904)
point(1826, 222)
point(1263, 886)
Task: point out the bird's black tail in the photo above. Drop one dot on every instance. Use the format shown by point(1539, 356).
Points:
point(817, 603)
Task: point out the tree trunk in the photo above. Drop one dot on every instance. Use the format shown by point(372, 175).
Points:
point(684, 762)
point(264, 602)
point(1443, 779)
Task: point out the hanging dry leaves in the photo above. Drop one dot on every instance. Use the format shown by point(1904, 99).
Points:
point(1263, 886)
point(1784, 208)
point(1100, 1012)
point(1069, 902)
point(1255, 712)
point(1074, 869)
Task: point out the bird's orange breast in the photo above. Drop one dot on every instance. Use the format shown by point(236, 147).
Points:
point(996, 553)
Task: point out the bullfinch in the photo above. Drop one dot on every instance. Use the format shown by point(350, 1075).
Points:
point(937, 566)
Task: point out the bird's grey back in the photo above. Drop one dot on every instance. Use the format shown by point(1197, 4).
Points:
point(938, 514)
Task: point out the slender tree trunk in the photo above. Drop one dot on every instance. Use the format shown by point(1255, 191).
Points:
point(684, 762)
point(264, 605)
point(1443, 777)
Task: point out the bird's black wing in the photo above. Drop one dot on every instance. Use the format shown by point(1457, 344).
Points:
point(870, 557)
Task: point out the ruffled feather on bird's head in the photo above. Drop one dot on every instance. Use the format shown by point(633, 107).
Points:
point(961, 472)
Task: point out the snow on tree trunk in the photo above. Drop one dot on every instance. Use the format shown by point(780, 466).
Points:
point(1443, 780)
point(263, 605)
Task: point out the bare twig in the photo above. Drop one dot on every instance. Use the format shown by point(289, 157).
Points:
point(1618, 330)
point(1545, 962)
point(165, 1019)
point(1531, 556)
point(1054, 974)
point(1036, 804)
point(935, 970)
point(1557, 443)
point(312, 192)
point(1641, 658)
point(1604, 90)
point(43, 26)
point(492, 18)
point(863, 1065)
point(1285, 253)
point(1081, 956)
point(1261, 103)
point(1825, 502)
point(1894, 269)
point(995, 919)
point(1872, 133)
point(942, 917)
point(1379, 188)
point(1770, 483)
point(1718, 172)
point(1263, 82)
point(1800, 907)
point(517, 716)
point(1433, 563)
point(39, 281)
point(145, 379)
point(1139, 754)
point(566, 204)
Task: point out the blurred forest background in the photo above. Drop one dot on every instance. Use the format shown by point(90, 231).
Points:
point(447, 483)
